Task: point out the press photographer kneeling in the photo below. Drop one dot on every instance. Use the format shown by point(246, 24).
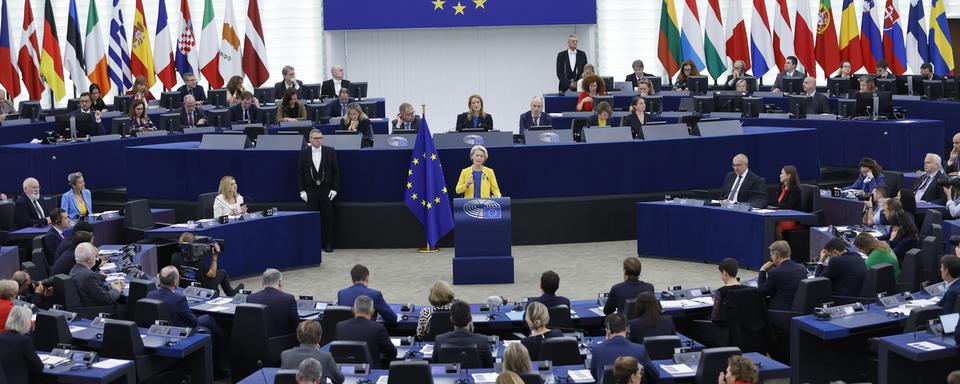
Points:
point(197, 263)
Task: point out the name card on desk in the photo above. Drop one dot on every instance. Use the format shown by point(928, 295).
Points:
point(926, 346)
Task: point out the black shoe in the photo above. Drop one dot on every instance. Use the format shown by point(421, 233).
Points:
point(328, 249)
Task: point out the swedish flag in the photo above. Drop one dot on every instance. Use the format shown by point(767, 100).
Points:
point(426, 191)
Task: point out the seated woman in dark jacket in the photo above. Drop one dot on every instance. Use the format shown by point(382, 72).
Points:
point(788, 198)
point(637, 118)
point(18, 359)
point(649, 319)
point(537, 316)
point(904, 235)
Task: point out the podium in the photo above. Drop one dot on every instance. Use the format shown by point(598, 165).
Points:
point(483, 241)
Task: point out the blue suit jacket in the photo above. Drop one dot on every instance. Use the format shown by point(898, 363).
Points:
point(526, 120)
point(370, 332)
point(780, 284)
point(607, 351)
point(180, 314)
point(51, 241)
point(68, 203)
point(620, 293)
point(197, 92)
point(551, 300)
point(348, 295)
point(878, 181)
point(846, 273)
point(281, 310)
point(949, 301)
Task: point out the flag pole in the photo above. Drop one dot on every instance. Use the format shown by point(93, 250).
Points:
point(427, 248)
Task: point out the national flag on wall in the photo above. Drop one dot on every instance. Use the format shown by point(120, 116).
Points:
point(163, 51)
point(782, 34)
point(28, 57)
point(73, 59)
point(941, 50)
point(230, 46)
point(804, 39)
point(425, 193)
point(827, 47)
point(917, 50)
point(761, 48)
point(254, 49)
point(51, 64)
point(893, 49)
point(669, 49)
point(870, 40)
point(850, 49)
point(691, 34)
point(95, 60)
point(187, 54)
point(736, 35)
point(210, 48)
point(713, 42)
point(9, 79)
point(119, 55)
point(141, 60)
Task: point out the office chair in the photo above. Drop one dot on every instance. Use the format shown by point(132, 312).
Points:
point(331, 316)
point(51, 329)
point(712, 362)
point(148, 311)
point(205, 205)
point(661, 347)
point(250, 346)
point(880, 278)
point(467, 355)
point(414, 371)
point(561, 351)
point(439, 324)
point(350, 352)
point(559, 317)
point(121, 340)
point(65, 293)
point(138, 290)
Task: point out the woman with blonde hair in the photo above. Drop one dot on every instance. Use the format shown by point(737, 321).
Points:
point(478, 174)
point(441, 295)
point(357, 121)
point(229, 202)
point(509, 378)
point(878, 252)
point(588, 69)
point(537, 317)
point(516, 359)
point(474, 117)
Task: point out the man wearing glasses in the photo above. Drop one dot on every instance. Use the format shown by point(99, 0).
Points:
point(407, 121)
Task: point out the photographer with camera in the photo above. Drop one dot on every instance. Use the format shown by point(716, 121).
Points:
point(904, 235)
point(191, 262)
point(30, 291)
point(951, 189)
point(873, 210)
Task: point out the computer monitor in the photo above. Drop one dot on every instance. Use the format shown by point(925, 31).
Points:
point(798, 106)
point(310, 92)
point(886, 85)
point(120, 125)
point(703, 104)
point(599, 99)
point(751, 83)
point(315, 112)
point(728, 101)
point(218, 117)
point(697, 85)
point(608, 83)
point(30, 109)
point(171, 100)
point(73, 105)
point(847, 108)
point(950, 87)
point(838, 87)
point(577, 125)
point(122, 103)
point(83, 123)
point(932, 89)
point(656, 81)
point(169, 122)
point(254, 131)
point(654, 104)
point(217, 97)
point(266, 95)
point(866, 105)
point(910, 85)
point(370, 108)
point(791, 85)
point(752, 106)
point(358, 89)
point(268, 116)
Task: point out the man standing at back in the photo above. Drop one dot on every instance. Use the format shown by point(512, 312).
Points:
point(318, 176)
point(570, 64)
point(360, 276)
point(281, 306)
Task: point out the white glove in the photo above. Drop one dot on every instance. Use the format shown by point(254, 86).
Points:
point(303, 196)
point(331, 195)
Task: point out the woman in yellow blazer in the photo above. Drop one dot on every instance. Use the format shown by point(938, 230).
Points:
point(477, 173)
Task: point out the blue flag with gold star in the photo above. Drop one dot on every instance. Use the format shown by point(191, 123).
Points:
point(426, 190)
point(394, 14)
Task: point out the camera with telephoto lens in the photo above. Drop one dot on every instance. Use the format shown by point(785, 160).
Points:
point(949, 182)
point(200, 247)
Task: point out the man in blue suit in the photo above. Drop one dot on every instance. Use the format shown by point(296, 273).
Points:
point(462, 335)
point(338, 108)
point(549, 283)
point(281, 306)
point(616, 345)
point(535, 116)
point(59, 222)
point(362, 328)
point(845, 269)
point(629, 288)
point(780, 277)
point(949, 272)
point(361, 279)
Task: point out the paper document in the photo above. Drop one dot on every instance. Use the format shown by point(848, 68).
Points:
point(598, 311)
point(515, 315)
point(108, 266)
point(901, 310)
point(218, 309)
point(116, 276)
point(75, 328)
point(395, 341)
point(481, 378)
point(926, 346)
point(708, 300)
point(677, 369)
point(427, 350)
point(109, 363)
point(383, 379)
point(180, 225)
point(581, 376)
point(764, 210)
point(220, 300)
point(52, 360)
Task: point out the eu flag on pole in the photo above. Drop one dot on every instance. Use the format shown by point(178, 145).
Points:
point(426, 191)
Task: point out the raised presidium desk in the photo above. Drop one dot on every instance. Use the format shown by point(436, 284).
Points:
point(103, 371)
point(107, 228)
point(708, 233)
point(181, 171)
point(916, 357)
point(285, 240)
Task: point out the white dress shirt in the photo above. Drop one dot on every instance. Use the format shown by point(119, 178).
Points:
point(317, 155)
point(926, 182)
point(222, 208)
point(737, 185)
point(336, 86)
point(573, 59)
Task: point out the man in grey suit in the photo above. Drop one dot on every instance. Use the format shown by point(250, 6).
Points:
point(90, 284)
point(308, 333)
point(407, 119)
point(789, 71)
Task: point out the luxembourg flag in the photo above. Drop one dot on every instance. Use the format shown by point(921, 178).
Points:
point(761, 48)
point(691, 34)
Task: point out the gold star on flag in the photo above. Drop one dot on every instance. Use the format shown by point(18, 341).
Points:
point(436, 199)
point(479, 4)
point(424, 155)
point(409, 185)
point(410, 172)
point(433, 156)
point(416, 161)
point(429, 205)
point(458, 9)
point(413, 196)
point(438, 4)
point(444, 189)
point(423, 202)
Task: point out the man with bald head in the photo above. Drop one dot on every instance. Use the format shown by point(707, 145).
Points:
point(535, 117)
point(743, 186)
point(817, 102)
point(331, 88)
point(93, 291)
point(190, 115)
point(29, 210)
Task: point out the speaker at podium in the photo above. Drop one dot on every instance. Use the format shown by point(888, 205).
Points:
point(483, 243)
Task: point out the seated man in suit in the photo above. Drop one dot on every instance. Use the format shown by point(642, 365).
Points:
point(332, 87)
point(615, 345)
point(93, 291)
point(66, 245)
point(926, 71)
point(66, 260)
point(87, 119)
point(629, 288)
point(281, 306)
point(310, 371)
point(59, 222)
point(780, 277)
point(363, 328)
point(462, 335)
point(818, 101)
point(289, 82)
point(637, 74)
point(789, 71)
point(338, 108)
point(245, 110)
point(739, 70)
point(190, 87)
point(949, 272)
point(845, 269)
point(360, 276)
point(882, 71)
point(744, 186)
point(549, 283)
point(928, 187)
point(407, 119)
point(190, 115)
point(308, 334)
point(535, 116)
point(28, 210)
